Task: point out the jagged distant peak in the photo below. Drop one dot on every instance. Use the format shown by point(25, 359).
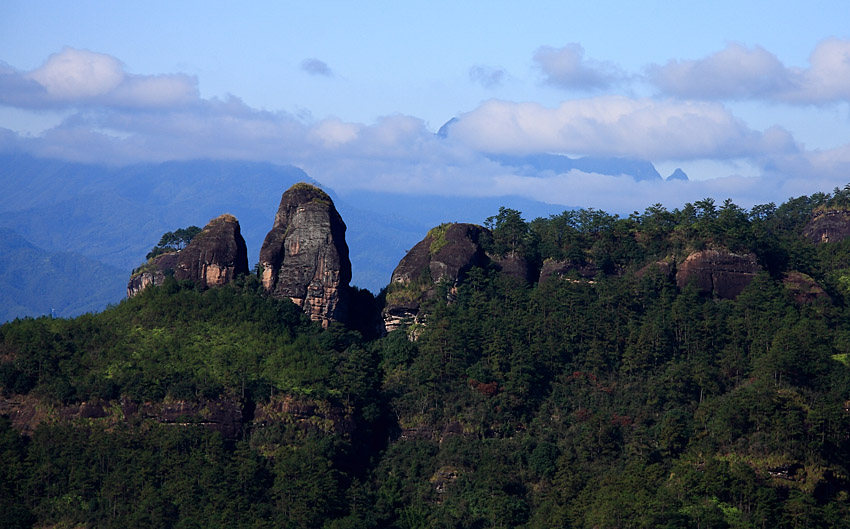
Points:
point(615, 166)
point(444, 130)
point(678, 174)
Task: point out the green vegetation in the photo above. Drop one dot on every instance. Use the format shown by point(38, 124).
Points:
point(438, 238)
point(173, 241)
point(621, 402)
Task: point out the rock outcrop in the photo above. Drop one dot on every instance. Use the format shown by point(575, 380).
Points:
point(153, 272)
point(719, 273)
point(446, 254)
point(214, 257)
point(227, 415)
point(305, 258)
point(828, 226)
point(567, 269)
point(804, 289)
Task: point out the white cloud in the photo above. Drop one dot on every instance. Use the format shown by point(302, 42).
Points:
point(124, 118)
point(487, 76)
point(615, 126)
point(76, 78)
point(567, 68)
point(78, 74)
point(316, 67)
point(741, 73)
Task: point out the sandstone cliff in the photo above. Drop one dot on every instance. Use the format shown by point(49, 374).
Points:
point(215, 257)
point(719, 272)
point(305, 258)
point(567, 269)
point(153, 272)
point(227, 415)
point(446, 254)
point(828, 226)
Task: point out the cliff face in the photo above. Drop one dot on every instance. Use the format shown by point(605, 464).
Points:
point(720, 273)
point(828, 226)
point(214, 257)
point(555, 268)
point(153, 272)
point(226, 415)
point(305, 257)
point(446, 254)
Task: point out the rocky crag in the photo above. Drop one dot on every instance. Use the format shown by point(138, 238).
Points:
point(305, 257)
point(830, 225)
point(227, 415)
point(215, 257)
point(444, 257)
point(718, 272)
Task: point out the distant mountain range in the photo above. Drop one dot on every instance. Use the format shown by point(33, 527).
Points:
point(109, 218)
point(106, 219)
point(35, 282)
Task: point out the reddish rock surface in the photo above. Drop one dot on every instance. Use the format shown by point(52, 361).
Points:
point(216, 256)
point(719, 273)
point(555, 268)
point(305, 257)
point(446, 254)
point(828, 226)
point(153, 272)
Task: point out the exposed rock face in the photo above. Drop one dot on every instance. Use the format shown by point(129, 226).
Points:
point(226, 415)
point(308, 414)
point(828, 226)
point(720, 273)
point(446, 254)
point(153, 272)
point(804, 288)
point(556, 268)
point(305, 257)
point(216, 256)
point(513, 266)
point(662, 267)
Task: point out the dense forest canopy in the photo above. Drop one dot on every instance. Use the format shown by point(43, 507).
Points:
point(617, 400)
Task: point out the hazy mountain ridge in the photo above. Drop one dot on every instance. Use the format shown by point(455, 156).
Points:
point(115, 215)
point(35, 282)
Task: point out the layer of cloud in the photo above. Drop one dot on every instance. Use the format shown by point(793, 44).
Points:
point(487, 76)
point(617, 126)
point(316, 67)
point(116, 117)
point(738, 72)
point(567, 68)
point(75, 78)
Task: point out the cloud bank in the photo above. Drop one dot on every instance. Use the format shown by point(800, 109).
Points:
point(76, 78)
point(117, 117)
point(567, 68)
point(738, 72)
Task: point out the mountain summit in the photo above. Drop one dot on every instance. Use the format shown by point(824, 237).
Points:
point(304, 257)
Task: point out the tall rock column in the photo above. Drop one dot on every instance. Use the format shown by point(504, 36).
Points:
point(305, 258)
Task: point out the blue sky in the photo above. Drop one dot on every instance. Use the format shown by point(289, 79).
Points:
point(752, 100)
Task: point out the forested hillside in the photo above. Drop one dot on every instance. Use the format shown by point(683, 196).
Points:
point(607, 395)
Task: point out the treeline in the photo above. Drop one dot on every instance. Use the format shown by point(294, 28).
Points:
point(619, 400)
